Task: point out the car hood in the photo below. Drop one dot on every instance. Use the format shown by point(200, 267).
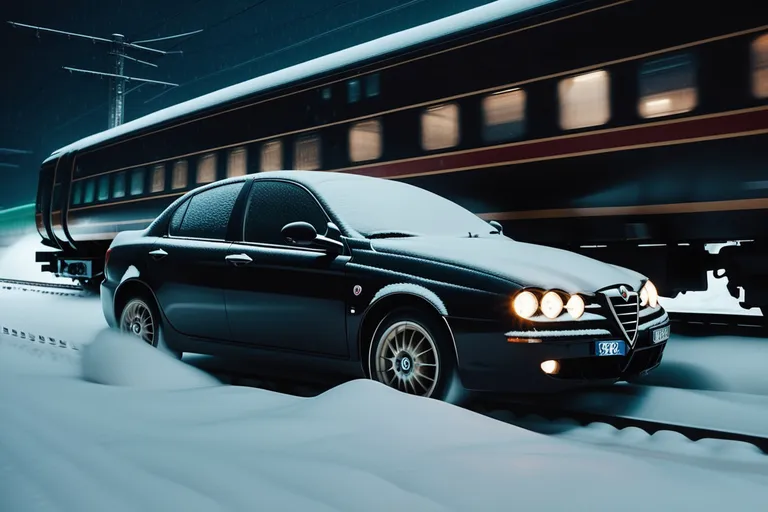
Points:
point(523, 263)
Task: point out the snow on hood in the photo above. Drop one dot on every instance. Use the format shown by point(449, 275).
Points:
point(525, 264)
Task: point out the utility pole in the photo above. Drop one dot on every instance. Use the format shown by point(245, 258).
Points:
point(119, 48)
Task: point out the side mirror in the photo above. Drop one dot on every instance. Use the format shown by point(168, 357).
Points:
point(497, 226)
point(299, 233)
point(304, 234)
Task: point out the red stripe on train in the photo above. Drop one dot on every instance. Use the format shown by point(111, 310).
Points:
point(657, 134)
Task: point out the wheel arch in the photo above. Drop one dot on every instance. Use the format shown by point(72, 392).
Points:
point(132, 288)
point(392, 297)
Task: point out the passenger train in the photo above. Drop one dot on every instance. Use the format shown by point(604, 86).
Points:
point(633, 131)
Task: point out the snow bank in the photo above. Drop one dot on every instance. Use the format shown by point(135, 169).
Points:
point(121, 360)
point(68, 444)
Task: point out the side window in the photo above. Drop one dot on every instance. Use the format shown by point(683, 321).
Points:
point(179, 178)
point(372, 87)
point(178, 216)
point(353, 91)
point(365, 141)
point(272, 156)
point(90, 189)
point(504, 115)
point(306, 156)
point(236, 163)
point(158, 178)
point(273, 204)
point(667, 86)
point(206, 168)
point(440, 127)
point(208, 213)
point(104, 187)
point(584, 100)
point(137, 182)
point(118, 188)
point(760, 67)
point(77, 193)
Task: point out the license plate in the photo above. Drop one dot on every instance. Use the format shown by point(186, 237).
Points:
point(660, 335)
point(610, 348)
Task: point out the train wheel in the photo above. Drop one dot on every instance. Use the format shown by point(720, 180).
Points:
point(411, 352)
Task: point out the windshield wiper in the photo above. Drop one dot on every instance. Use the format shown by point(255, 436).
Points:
point(391, 234)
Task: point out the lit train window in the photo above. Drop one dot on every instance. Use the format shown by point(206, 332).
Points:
point(77, 193)
point(667, 86)
point(137, 182)
point(158, 178)
point(504, 115)
point(584, 100)
point(272, 156)
point(206, 169)
point(118, 188)
point(180, 173)
point(306, 153)
point(90, 188)
point(372, 87)
point(236, 164)
point(440, 127)
point(760, 66)
point(365, 140)
point(353, 91)
point(104, 187)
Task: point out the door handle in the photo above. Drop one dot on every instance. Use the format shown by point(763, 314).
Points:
point(158, 254)
point(238, 259)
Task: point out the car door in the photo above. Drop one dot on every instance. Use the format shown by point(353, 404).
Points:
point(188, 266)
point(285, 296)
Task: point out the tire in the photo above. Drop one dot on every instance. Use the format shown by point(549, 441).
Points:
point(140, 317)
point(423, 361)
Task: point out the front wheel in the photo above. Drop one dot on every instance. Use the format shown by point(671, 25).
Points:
point(411, 352)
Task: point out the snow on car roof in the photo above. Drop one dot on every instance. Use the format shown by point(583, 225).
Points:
point(377, 47)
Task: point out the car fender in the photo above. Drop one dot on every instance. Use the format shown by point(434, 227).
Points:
point(410, 289)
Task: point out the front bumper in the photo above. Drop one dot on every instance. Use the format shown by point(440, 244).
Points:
point(488, 362)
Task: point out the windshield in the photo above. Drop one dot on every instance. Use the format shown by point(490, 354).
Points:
point(386, 208)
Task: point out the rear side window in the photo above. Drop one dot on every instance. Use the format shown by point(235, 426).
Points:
point(273, 204)
point(207, 214)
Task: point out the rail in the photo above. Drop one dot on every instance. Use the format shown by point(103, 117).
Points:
point(38, 287)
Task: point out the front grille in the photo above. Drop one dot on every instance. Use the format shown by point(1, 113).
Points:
point(625, 306)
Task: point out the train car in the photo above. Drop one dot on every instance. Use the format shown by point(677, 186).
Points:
point(633, 131)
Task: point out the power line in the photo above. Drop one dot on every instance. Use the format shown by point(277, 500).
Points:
point(119, 48)
point(294, 45)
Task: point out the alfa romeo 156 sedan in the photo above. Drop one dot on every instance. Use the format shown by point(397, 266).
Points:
point(379, 279)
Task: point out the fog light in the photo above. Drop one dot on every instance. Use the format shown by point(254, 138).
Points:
point(550, 367)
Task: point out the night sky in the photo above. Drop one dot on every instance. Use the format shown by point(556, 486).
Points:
point(43, 107)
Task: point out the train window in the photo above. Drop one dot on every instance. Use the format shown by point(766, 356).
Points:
point(118, 187)
point(104, 187)
point(326, 93)
point(440, 127)
point(272, 156)
point(504, 115)
point(760, 66)
point(77, 193)
point(158, 178)
point(365, 140)
point(206, 168)
point(667, 86)
point(236, 164)
point(137, 182)
point(180, 173)
point(208, 213)
point(584, 100)
point(90, 188)
point(306, 153)
point(353, 91)
point(372, 85)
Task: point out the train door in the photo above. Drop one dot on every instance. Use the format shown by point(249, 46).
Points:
point(43, 203)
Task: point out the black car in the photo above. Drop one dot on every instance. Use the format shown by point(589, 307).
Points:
point(380, 279)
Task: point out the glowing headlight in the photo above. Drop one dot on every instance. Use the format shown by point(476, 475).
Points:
point(525, 304)
point(649, 295)
point(551, 305)
point(575, 306)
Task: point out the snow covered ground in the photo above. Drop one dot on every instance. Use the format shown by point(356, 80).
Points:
point(18, 262)
point(125, 427)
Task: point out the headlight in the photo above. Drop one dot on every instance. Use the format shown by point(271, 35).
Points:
point(551, 305)
point(649, 295)
point(575, 306)
point(525, 304)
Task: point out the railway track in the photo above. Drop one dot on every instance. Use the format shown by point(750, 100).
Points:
point(44, 288)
